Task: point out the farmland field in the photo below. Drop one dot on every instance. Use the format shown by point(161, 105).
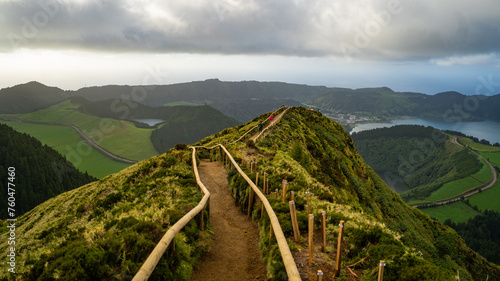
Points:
point(457, 212)
point(456, 187)
point(493, 157)
point(67, 142)
point(488, 199)
point(477, 146)
point(117, 136)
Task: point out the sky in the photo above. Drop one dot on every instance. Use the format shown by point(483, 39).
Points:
point(423, 46)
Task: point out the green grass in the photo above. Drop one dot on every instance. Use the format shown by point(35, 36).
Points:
point(456, 187)
point(67, 142)
point(493, 157)
point(118, 136)
point(457, 212)
point(478, 146)
point(488, 199)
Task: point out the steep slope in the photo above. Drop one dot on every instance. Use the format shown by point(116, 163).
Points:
point(41, 172)
point(29, 97)
point(105, 230)
point(311, 151)
point(415, 157)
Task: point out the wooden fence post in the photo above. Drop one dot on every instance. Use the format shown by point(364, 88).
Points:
point(250, 200)
point(311, 242)
point(323, 230)
point(257, 179)
point(270, 233)
point(308, 206)
point(202, 222)
point(295, 224)
point(284, 185)
point(264, 183)
point(339, 250)
point(381, 270)
point(277, 194)
point(292, 195)
point(319, 274)
point(267, 186)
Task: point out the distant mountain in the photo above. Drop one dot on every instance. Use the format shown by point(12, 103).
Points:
point(240, 100)
point(447, 106)
point(245, 99)
point(29, 97)
point(40, 171)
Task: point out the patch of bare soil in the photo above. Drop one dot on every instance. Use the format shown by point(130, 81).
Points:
point(234, 254)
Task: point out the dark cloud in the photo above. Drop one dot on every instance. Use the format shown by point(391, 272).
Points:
point(391, 29)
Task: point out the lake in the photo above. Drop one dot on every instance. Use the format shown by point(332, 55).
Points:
point(150, 122)
point(488, 130)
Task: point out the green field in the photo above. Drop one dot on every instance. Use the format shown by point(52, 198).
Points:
point(477, 146)
point(67, 142)
point(457, 212)
point(117, 136)
point(456, 187)
point(493, 157)
point(488, 199)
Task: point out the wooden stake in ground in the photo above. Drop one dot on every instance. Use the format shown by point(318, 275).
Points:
point(264, 183)
point(295, 224)
point(277, 194)
point(292, 195)
point(381, 270)
point(284, 188)
point(250, 200)
point(339, 250)
point(308, 206)
point(323, 231)
point(319, 275)
point(311, 242)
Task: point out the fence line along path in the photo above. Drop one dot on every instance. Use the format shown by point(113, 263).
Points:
point(234, 254)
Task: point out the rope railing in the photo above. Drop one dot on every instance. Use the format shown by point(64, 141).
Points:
point(254, 127)
point(149, 265)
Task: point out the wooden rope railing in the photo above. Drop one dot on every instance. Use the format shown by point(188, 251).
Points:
point(272, 123)
point(149, 265)
point(254, 127)
point(286, 254)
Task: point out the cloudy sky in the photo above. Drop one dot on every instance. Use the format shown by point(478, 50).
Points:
point(425, 46)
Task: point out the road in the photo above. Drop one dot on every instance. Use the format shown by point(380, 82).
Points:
point(470, 192)
point(88, 140)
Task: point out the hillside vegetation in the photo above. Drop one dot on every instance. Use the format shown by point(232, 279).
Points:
point(313, 152)
point(29, 97)
point(41, 172)
point(422, 158)
point(105, 230)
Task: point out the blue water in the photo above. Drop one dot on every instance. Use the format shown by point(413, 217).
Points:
point(488, 130)
point(150, 122)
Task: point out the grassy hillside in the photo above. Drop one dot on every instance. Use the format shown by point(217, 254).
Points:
point(181, 124)
point(314, 152)
point(117, 136)
point(69, 144)
point(39, 172)
point(422, 158)
point(105, 230)
point(29, 97)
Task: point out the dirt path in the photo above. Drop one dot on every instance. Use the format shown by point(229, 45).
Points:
point(275, 120)
point(234, 254)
